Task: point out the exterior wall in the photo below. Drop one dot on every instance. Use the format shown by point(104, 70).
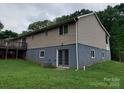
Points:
point(85, 57)
point(18, 40)
point(90, 32)
point(52, 38)
point(50, 54)
point(90, 36)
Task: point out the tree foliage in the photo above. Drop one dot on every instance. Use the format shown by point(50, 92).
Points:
point(113, 20)
point(40, 24)
point(7, 34)
point(1, 26)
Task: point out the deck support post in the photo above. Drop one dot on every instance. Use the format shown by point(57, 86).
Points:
point(6, 50)
point(6, 53)
point(16, 53)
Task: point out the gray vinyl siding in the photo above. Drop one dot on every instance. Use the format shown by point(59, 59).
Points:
point(85, 55)
point(50, 54)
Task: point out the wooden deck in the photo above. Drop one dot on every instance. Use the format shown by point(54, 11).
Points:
point(11, 49)
point(13, 45)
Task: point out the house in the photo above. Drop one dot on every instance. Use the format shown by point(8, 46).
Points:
point(73, 43)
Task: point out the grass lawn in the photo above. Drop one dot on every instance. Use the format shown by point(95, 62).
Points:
point(24, 74)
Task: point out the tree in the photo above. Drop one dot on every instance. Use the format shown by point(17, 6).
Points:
point(108, 16)
point(24, 33)
point(113, 21)
point(7, 34)
point(75, 14)
point(38, 25)
point(120, 8)
point(1, 26)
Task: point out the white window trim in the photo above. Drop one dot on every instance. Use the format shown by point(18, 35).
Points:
point(102, 55)
point(40, 52)
point(91, 55)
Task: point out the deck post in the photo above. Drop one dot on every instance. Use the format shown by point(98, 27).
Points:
point(6, 51)
point(6, 54)
point(16, 53)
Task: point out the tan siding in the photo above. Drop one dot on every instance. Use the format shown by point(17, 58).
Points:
point(52, 39)
point(90, 32)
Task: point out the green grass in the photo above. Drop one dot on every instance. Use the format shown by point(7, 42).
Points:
point(26, 74)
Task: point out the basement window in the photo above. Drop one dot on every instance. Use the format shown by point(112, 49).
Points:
point(42, 54)
point(103, 55)
point(92, 53)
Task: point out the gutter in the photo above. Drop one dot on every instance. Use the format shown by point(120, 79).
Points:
point(77, 51)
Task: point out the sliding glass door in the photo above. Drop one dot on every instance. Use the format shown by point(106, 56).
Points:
point(63, 57)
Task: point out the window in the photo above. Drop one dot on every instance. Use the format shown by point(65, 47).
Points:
point(92, 54)
point(103, 54)
point(42, 54)
point(63, 29)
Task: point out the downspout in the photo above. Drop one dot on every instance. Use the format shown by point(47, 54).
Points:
point(77, 56)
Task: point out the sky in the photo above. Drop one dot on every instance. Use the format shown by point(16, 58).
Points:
point(17, 17)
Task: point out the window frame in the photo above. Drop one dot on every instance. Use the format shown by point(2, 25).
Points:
point(40, 54)
point(91, 55)
point(63, 29)
point(103, 54)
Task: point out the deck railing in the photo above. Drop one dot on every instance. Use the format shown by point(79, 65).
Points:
point(13, 45)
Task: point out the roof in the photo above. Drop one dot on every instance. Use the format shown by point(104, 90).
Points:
point(71, 20)
point(61, 23)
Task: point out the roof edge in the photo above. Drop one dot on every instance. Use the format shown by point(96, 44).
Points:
point(78, 17)
point(85, 15)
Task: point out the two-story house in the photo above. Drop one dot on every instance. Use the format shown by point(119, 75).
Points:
point(75, 43)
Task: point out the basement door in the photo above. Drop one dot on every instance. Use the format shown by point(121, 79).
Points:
point(63, 57)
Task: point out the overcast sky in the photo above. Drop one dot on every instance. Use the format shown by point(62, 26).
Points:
point(17, 17)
